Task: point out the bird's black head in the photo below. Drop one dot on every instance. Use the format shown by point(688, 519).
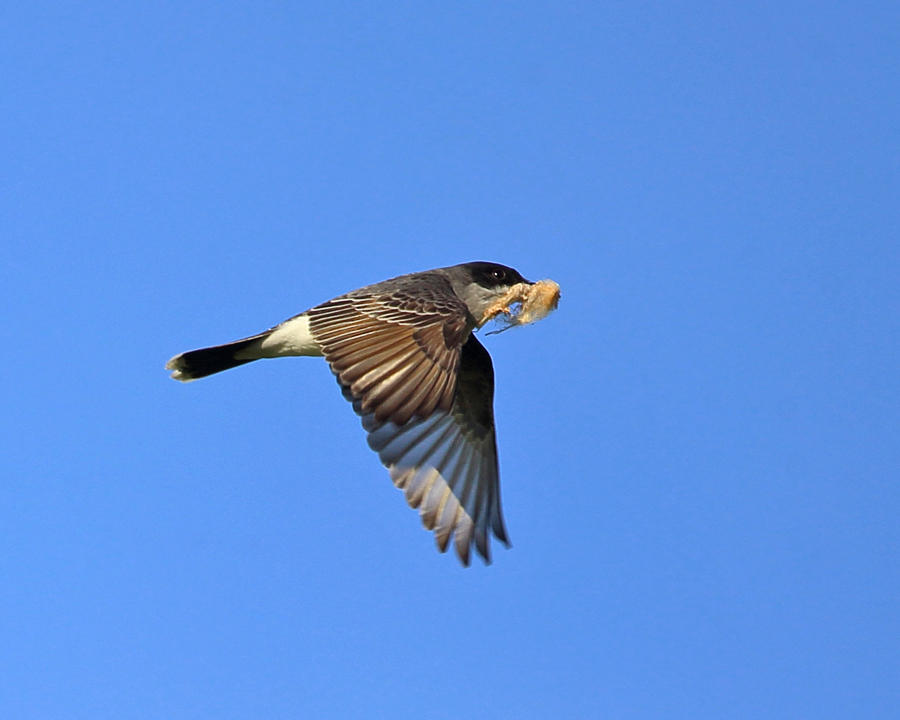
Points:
point(480, 285)
point(493, 275)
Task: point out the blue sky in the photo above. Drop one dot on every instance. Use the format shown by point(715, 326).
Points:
point(699, 451)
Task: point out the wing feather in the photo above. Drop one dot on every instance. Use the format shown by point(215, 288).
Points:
point(446, 464)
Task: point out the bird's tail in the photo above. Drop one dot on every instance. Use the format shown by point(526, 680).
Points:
point(195, 364)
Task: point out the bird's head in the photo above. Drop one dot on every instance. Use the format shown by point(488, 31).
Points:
point(481, 285)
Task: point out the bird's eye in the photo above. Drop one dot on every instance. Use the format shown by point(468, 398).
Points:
point(498, 274)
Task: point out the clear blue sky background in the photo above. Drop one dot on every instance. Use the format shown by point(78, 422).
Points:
point(699, 450)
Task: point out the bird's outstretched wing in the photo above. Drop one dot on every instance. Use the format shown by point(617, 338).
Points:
point(424, 387)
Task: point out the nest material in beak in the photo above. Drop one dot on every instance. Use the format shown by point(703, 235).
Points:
point(525, 303)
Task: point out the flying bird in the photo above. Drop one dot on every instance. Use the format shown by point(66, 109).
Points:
point(404, 354)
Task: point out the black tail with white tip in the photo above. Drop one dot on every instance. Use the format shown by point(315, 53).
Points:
point(195, 364)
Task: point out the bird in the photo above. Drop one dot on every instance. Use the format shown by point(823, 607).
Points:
point(405, 355)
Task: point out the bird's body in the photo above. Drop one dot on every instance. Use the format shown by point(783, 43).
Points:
point(404, 354)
